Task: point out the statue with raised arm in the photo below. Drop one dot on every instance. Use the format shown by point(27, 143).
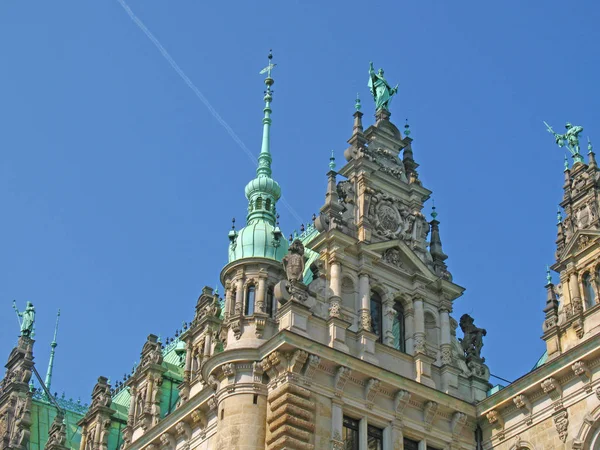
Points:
point(380, 89)
point(472, 342)
point(28, 316)
point(570, 139)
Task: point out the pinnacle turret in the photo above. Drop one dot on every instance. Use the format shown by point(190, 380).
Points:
point(53, 346)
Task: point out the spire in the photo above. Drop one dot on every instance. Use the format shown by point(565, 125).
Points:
point(262, 192)
point(264, 159)
point(53, 345)
point(591, 155)
point(435, 246)
point(332, 161)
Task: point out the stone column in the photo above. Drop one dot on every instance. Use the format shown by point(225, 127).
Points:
point(261, 294)
point(419, 321)
point(229, 301)
point(445, 338)
point(363, 440)
point(576, 302)
point(388, 320)
point(239, 296)
point(364, 294)
point(335, 278)
point(388, 438)
point(423, 361)
point(409, 323)
point(337, 423)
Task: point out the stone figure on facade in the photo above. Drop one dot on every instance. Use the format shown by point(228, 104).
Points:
point(380, 89)
point(28, 319)
point(293, 262)
point(472, 341)
point(57, 435)
point(570, 139)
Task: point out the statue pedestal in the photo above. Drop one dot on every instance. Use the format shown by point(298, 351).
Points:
point(450, 379)
point(294, 316)
point(423, 364)
point(337, 333)
point(367, 341)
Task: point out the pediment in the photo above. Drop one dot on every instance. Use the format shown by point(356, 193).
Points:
point(580, 241)
point(397, 255)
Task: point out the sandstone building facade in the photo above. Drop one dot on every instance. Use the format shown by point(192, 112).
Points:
point(342, 337)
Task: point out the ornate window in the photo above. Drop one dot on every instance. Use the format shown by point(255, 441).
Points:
point(271, 303)
point(376, 315)
point(250, 297)
point(259, 203)
point(374, 438)
point(588, 291)
point(398, 328)
point(350, 433)
point(268, 204)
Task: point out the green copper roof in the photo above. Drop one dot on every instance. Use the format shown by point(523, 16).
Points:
point(261, 237)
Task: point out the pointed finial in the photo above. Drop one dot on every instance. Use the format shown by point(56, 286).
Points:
point(332, 161)
point(559, 216)
point(217, 290)
point(548, 275)
point(277, 219)
point(406, 129)
point(53, 345)
point(233, 223)
point(566, 163)
point(434, 214)
point(590, 147)
point(357, 105)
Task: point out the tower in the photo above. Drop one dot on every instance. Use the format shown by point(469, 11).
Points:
point(572, 316)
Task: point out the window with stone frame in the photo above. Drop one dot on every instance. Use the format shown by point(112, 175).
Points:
point(250, 297)
point(374, 438)
point(398, 330)
point(232, 302)
point(376, 316)
point(588, 291)
point(350, 433)
point(410, 444)
point(271, 303)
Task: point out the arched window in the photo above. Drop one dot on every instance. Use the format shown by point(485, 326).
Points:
point(268, 204)
point(271, 303)
point(376, 315)
point(249, 306)
point(398, 328)
point(431, 330)
point(259, 203)
point(588, 291)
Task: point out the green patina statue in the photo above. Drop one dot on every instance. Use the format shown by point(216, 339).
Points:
point(570, 139)
point(380, 89)
point(28, 321)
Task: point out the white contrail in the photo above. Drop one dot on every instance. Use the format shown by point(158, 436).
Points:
point(199, 94)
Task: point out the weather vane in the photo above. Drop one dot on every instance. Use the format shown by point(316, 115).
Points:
point(270, 67)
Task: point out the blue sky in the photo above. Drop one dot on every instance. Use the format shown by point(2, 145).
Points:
point(118, 186)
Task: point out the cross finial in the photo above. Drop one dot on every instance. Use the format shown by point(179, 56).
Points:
point(269, 68)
